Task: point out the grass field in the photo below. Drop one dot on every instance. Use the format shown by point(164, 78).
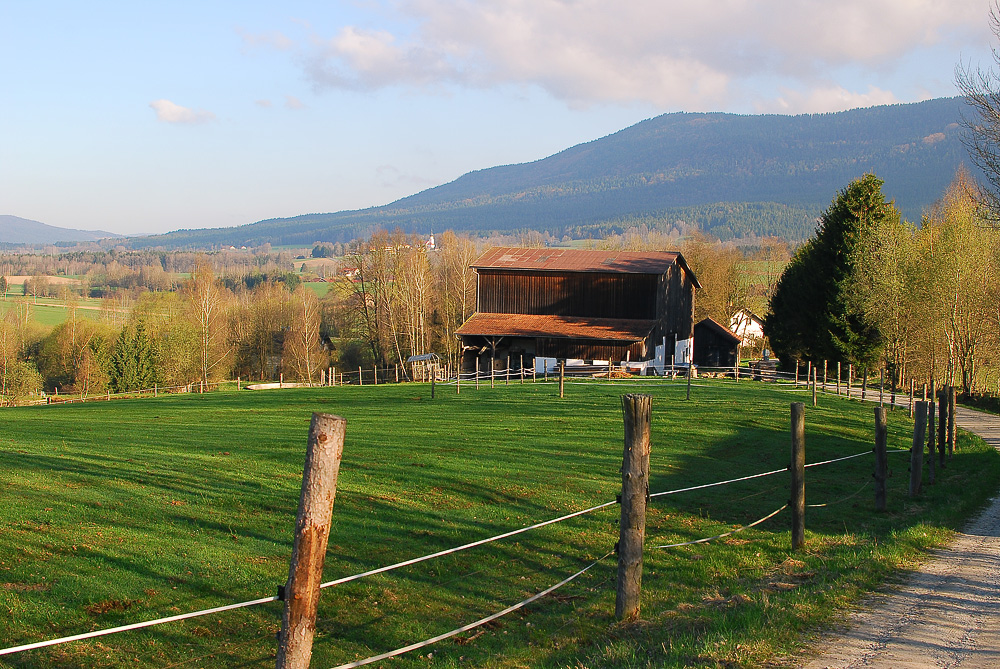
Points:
point(117, 512)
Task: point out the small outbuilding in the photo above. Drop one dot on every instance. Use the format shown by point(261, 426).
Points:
point(715, 345)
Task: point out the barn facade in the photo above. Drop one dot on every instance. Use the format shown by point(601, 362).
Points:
point(715, 345)
point(543, 305)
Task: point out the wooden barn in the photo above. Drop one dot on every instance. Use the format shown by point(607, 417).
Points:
point(590, 307)
point(715, 345)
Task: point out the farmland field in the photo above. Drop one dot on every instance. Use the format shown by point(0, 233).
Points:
point(118, 512)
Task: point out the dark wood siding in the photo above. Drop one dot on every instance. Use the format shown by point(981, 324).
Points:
point(590, 349)
point(675, 305)
point(587, 294)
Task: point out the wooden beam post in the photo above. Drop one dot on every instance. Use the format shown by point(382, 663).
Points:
point(814, 384)
point(824, 376)
point(917, 449)
point(912, 388)
point(798, 470)
point(881, 458)
point(312, 531)
point(562, 377)
point(636, 413)
point(942, 426)
point(952, 401)
point(690, 370)
point(838, 377)
point(433, 378)
point(477, 371)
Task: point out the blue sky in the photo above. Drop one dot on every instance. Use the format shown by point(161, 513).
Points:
point(146, 117)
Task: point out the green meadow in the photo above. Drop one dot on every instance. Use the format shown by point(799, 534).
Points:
point(124, 511)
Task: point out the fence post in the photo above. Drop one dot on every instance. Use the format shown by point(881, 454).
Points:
point(942, 425)
point(312, 530)
point(636, 412)
point(931, 439)
point(798, 469)
point(912, 383)
point(814, 385)
point(507, 372)
point(850, 378)
point(796, 373)
point(562, 377)
point(433, 378)
point(952, 401)
point(881, 458)
point(493, 370)
point(881, 387)
point(458, 380)
point(361, 377)
point(838, 377)
point(690, 370)
point(917, 450)
point(375, 374)
point(477, 371)
point(864, 384)
point(155, 390)
point(824, 375)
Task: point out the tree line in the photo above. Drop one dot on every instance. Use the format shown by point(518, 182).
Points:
point(873, 290)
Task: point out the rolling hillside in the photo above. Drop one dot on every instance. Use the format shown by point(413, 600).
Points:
point(733, 175)
point(16, 230)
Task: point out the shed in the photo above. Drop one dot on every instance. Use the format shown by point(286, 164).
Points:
point(424, 365)
point(715, 345)
point(568, 304)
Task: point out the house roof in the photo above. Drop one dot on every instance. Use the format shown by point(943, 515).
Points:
point(533, 325)
point(576, 260)
point(719, 329)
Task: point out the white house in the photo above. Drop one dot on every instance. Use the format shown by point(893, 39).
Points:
point(749, 327)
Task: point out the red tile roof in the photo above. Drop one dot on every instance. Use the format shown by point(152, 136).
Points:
point(573, 260)
point(531, 325)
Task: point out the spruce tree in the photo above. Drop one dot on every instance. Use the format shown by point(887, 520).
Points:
point(811, 314)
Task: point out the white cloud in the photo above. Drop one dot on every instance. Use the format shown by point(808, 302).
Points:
point(665, 53)
point(168, 112)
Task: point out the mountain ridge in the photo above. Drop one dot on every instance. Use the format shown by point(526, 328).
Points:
point(17, 230)
point(731, 175)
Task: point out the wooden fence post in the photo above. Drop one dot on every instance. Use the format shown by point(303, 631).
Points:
point(477, 371)
point(952, 401)
point(636, 412)
point(796, 373)
point(493, 370)
point(361, 377)
point(917, 450)
point(881, 387)
point(864, 384)
point(690, 371)
point(312, 530)
point(838, 377)
point(458, 380)
point(814, 385)
point(881, 458)
point(562, 376)
point(507, 372)
point(942, 426)
point(798, 469)
point(433, 378)
point(824, 376)
point(931, 439)
point(912, 383)
point(850, 378)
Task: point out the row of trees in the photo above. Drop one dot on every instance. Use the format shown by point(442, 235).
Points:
point(871, 289)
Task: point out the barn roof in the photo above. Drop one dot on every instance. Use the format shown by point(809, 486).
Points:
point(533, 325)
point(719, 329)
point(577, 260)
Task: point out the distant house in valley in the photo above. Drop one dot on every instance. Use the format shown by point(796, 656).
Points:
point(715, 345)
point(585, 307)
point(749, 327)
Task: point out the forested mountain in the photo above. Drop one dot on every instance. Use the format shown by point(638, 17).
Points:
point(16, 230)
point(732, 175)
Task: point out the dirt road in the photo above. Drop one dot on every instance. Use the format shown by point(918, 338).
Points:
point(947, 614)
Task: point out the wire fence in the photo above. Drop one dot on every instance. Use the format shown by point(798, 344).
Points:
point(439, 554)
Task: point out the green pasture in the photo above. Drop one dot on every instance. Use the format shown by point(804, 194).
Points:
point(124, 511)
point(50, 311)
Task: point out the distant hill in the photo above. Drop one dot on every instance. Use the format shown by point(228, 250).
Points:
point(16, 230)
point(732, 175)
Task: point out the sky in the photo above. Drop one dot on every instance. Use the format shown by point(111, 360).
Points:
point(141, 117)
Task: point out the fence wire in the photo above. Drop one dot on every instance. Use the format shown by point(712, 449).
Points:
point(470, 626)
point(725, 534)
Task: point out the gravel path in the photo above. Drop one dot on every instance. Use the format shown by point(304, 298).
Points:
point(948, 613)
